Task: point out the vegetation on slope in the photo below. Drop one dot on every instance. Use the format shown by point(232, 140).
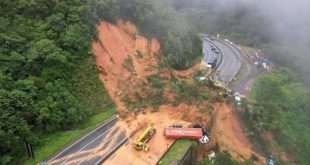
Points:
point(52, 143)
point(180, 43)
point(44, 60)
point(250, 25)
point(177, 151)
point(282, 107)
point(48, 83)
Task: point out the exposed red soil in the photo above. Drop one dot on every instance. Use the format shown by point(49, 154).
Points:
point(117, 44)
point(227, 133)
point(136, 123)
point(274, 147)
point(188, 71)
point(123, 70)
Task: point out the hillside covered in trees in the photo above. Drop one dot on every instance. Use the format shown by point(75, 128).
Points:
point(45, 55)
point(49, 81)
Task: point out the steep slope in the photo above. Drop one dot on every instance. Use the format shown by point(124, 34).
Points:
point(124, 57)
point(125, 60)
point(227, 134)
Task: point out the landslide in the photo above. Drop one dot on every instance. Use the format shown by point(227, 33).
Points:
point(227, 133)
point(126, 59)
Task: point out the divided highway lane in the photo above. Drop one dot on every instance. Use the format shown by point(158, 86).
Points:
point(208, 54)
point(231, 62)
point(94, 147)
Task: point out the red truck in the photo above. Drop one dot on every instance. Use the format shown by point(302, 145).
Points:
point(179, 133)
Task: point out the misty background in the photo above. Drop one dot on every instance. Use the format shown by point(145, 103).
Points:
point(280, 27)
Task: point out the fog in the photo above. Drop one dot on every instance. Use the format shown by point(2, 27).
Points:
point(287, 23)
point(288, 19)
point(282, 26)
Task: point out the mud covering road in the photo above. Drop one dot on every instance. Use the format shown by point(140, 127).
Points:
point(92, 148)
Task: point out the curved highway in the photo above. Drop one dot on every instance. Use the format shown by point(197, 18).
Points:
point(231, 62)
point(208, 55)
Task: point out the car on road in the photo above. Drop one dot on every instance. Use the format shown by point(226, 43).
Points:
point(213, 47)
point(216, 51)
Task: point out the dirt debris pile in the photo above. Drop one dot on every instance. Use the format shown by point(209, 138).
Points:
point(124, 57)
point(227, 134)
point(126, 60)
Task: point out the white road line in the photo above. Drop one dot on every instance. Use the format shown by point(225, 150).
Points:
point(86, 145)
point(105, 123)
point(94, 152)
point(224, 64)
point(112, 150)
point(236, 60)
point(208, 55)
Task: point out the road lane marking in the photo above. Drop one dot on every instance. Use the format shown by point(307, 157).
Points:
point(94, 152)
point(105, 123)
point(112, 150)
point(87, 145)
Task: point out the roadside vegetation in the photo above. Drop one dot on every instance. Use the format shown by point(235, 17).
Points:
point(180, 44)
point(280, 101)
point(48, 79)
point(224, 157)
point(52, 143)
point(280, 108)
point(49, 82)
point(177, 151)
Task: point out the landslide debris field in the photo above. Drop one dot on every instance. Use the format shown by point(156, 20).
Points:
point(146, 91)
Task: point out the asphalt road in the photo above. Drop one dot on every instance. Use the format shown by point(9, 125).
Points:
point(231, 62)
point(208, 55)
point(245, 81)
point(94, 147)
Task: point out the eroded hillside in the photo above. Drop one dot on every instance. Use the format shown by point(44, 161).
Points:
point(144, 90)
point(124, 58)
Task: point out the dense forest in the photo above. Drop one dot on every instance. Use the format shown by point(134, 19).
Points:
point(43, 44)
point(49, 82)
point(45, 53)
point(282, 107)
